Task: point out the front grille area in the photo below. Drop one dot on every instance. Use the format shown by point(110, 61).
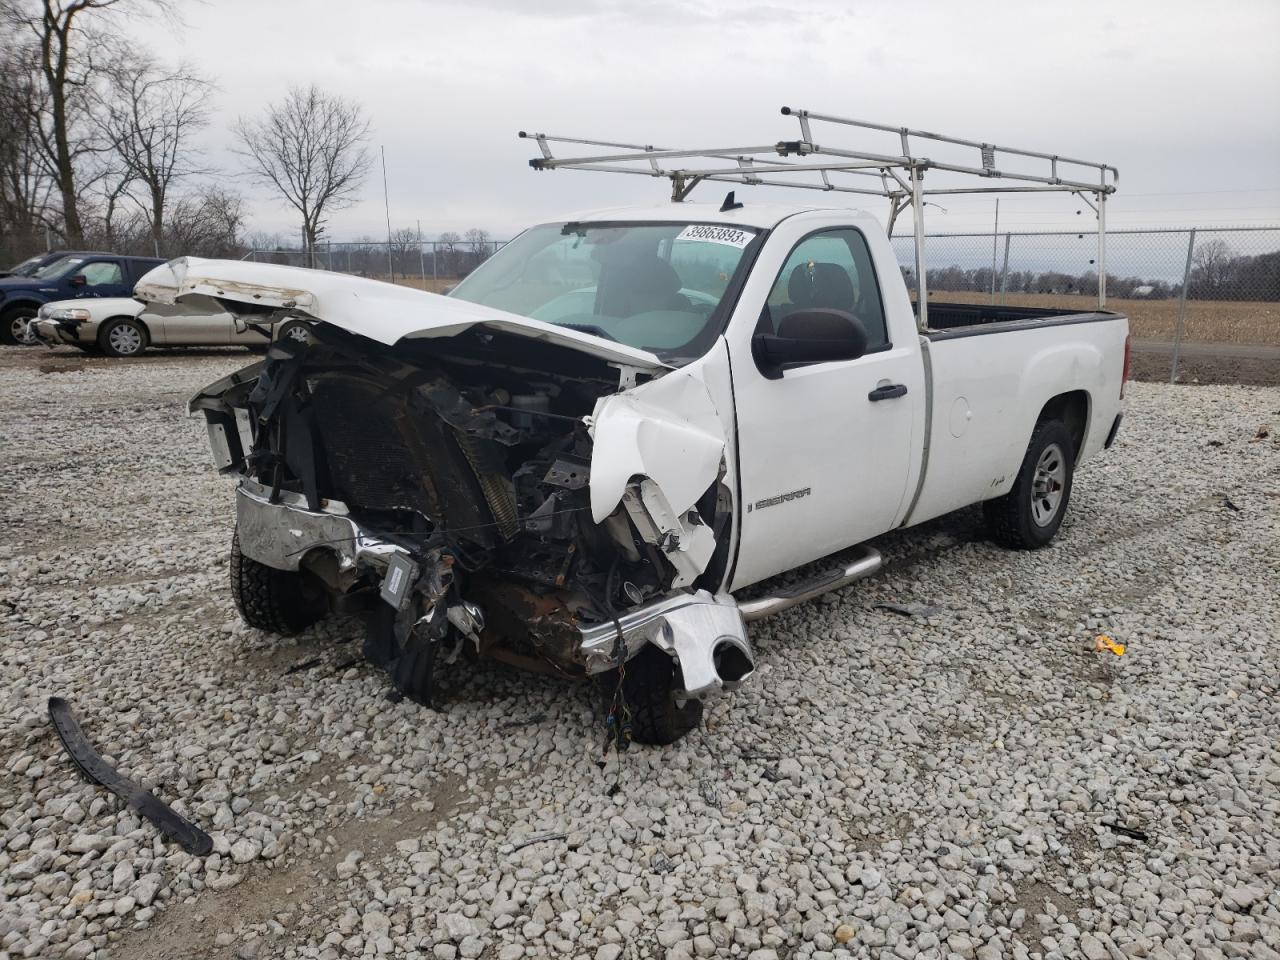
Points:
point(370, 464)
point(388, 450)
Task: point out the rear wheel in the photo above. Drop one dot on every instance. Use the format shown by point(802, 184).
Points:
point(648, 693)
point(13, 327)
point(279, 601)
point(122, 337)
point(1029, 515)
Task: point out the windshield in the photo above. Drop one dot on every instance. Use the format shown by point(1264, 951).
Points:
point(59, 268)
point(26, 267)
point(655, 286)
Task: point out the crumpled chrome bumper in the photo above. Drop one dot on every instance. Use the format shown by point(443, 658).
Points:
point(703, 632)
point(281, 534)
point(56, 332)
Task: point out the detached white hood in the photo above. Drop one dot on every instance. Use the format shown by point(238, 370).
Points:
point(380, 311)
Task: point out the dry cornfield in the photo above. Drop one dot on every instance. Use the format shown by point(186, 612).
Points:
point(1207, 321)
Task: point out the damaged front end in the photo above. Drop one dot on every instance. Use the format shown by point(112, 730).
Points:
point(491, 494)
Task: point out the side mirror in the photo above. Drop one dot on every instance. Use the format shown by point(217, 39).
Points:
point(78, 280)
point(810, 336)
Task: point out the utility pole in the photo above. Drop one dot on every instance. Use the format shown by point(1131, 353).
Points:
point(386, 202)
point(422, 257)
point(995, 233)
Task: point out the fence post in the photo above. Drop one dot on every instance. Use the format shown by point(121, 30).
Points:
point(422, 260)
point(1004, 271)
point(1182, 308)
point(435, 263)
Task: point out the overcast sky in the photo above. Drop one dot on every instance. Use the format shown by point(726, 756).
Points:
point(1181, 96)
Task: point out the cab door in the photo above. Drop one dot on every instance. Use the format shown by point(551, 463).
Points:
point(824, 449)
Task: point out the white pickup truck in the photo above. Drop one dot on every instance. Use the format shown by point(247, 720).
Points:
point(575, 460)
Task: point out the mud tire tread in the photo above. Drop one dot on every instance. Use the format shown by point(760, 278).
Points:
point(647, 684)
point(268, 599)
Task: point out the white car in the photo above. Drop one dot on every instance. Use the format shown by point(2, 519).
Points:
point(125, 327)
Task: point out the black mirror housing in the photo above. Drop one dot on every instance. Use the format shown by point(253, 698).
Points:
point(810, 336)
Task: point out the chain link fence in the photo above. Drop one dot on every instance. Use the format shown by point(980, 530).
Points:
point(1207, 296)
point(1181, 289)
point(428, 265)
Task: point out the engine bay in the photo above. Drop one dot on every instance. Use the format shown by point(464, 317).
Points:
point(477, 461)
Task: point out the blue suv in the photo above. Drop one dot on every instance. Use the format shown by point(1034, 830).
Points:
point(67, 278)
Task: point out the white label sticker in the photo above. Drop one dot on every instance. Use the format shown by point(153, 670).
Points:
point(393, 582)
point(709, 233)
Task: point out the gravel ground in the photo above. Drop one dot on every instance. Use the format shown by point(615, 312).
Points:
point(887, 786)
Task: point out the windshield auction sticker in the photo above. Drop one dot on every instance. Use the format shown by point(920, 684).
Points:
point(709, 233)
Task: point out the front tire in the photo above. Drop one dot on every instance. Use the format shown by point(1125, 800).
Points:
point(278, 601)
point(295, 330)
point(122, 337)
point(648, 687)
point(1029, 515)
point(14, 327)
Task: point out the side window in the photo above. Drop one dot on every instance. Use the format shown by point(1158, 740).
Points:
point(831, 269)
point(101, 273)
point(137, 268)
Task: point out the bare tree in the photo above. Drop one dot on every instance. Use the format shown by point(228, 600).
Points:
point(311, 148)
point(1212, 266)
point(404, 249)
point(479, 240)
point(445, 253)
point(147, 116)
point(209, 224)
point(67, 71)
point(24, 185)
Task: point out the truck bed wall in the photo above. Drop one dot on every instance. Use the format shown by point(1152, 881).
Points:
point(989, 387)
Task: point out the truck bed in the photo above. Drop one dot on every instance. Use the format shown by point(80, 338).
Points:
point(948, 320)
point(987, 393)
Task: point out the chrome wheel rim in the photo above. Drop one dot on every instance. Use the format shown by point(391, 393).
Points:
point(1048, 485)
point(299, 333)
point(20, 328)
point(125, 340)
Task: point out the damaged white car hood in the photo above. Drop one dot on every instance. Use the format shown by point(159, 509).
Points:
point(380, 311)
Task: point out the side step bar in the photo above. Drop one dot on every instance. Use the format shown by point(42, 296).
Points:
point(868, 562)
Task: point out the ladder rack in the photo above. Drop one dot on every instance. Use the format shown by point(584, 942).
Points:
point(820, 166)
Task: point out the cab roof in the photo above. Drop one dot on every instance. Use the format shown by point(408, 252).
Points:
point(750, 214)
